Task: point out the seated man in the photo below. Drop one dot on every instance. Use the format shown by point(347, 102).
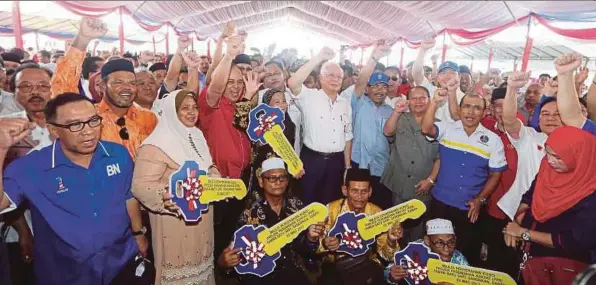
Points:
point(440, 237)
point(275, 206)
point(357, 191)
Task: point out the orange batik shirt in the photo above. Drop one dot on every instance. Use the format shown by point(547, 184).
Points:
point(139, 122)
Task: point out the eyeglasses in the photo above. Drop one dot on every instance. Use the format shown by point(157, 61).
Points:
point(94, 122)
point(274, 179)
point(28, 87)
point(394, 78)
point(123, 130)
point(441, 244)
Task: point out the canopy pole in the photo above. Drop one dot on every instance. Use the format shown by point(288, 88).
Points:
point(121, 33)
point(16, 23)
point(209, 48)
point(401, 56)
point(490, 58)
point(527, 48)
point(515, 64)
point(153, 38)
point(167, 40)
point(444, 51)
point(192, 43)
point(37, 41)
point(361, 55)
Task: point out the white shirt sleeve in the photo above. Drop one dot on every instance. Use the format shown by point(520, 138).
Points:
point(497, 161)
point(524, 134)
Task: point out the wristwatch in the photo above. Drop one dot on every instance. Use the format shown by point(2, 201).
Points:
point(526, 235)
point(483, 201)
point(140, 232)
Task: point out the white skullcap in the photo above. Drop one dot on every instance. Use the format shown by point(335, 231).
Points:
point(272, 163)
point(439, 227)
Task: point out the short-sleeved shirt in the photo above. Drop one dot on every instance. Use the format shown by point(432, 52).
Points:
point(370, 148)
point(82, 227)
point(327, 124)
point(295, 115)
point(229, 146)
point(465, 162)
point(589, 126)
point(139, 123)
point(530, 148)
point(442, 113)
point(9, 104)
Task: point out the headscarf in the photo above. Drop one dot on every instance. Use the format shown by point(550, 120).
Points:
point(95, 94)
point(176, 140)
point(554, 192)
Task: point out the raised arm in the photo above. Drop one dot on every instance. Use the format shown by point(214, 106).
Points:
point(516, 80)
point(295, 82)
point(591, 98)
point(11, 132)
point(381, 50)
point(428, 122)
point(390, 127)
point(68, 68)
point(452, 87)
point(418, 67)
point(193, 61)
point(171, 81)
point(567, 100)
point(218, 54)
point(234, 45)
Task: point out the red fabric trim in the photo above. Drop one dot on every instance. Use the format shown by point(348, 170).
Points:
point(582, 34)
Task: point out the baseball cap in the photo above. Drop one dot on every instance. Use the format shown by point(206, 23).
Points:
point(448, 64)
point(378, 77)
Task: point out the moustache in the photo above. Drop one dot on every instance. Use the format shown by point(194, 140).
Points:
point(35, 97)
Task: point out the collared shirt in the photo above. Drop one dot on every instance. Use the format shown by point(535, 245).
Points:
point(82, 227)
point(139, 122)
point(68, 72)
point(9, 104)
point(327, 124)
point(391, 101)
point(442, 113)
point(589, 126)
point(295, 115)
point(202, 81)
point(229, 146)
point(468, 161)
point(508, 176)
point(370, 148)
point(530, 147)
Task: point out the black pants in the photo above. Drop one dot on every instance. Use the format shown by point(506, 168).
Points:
point(468, 239)
point(381, 195)
point(500, 257)
point(323, 178)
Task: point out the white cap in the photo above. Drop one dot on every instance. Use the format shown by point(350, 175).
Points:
point(272, 163)
point(439, 227)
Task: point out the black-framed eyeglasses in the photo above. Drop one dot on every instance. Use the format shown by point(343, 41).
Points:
point(121, 122)
point(94, 122)
point(441, 244)
point(273, 179)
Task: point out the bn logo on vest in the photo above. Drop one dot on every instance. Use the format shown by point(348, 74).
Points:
point(113, 169)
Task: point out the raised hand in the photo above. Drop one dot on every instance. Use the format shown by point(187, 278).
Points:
point(229, 257)
point(581, 75)
point(518, 79)
point(252, 84)
point(315, 232)
point(234, 45)
point(568, 63)
point(191, 59)
point(331, 243)
point(12, 131)
point(325, 54)
point(401, 106)
point(91, 28)
point(228, 30)
point(551, 87)
point(428, 44)
point(453, 84)
point(183, 42)
point(381, 50)
point(440, 96)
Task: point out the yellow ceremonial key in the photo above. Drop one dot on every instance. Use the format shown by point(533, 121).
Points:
point(373, 225)
point(284, 232)
point(279, 143)
point(439, 271)
point(217, 189)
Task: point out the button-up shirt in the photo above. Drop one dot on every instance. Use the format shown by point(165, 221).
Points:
point(9, 104)
point(82, 227)
point(465, 162)
point(139, 122)
point(229, 146)
point(370, 148)
point(327, 124)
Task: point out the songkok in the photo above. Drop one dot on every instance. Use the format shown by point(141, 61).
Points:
point(157, 66)
point(439, 227)
point(272, 163)
point(116, 65)
point(498, 93)
point(11, 57)
point(241, 58)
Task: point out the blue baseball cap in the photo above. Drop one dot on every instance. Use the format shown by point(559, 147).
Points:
point(378, 77)
point(448, 64)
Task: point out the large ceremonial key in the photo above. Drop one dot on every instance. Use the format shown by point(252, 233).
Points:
point(266, 125)
point(192, 190)
point(439, 271)
point(261, 246)
point(373, 225)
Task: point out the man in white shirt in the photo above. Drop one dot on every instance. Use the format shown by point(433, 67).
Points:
point(448, 71)
point(528, 143)
point(327, 122)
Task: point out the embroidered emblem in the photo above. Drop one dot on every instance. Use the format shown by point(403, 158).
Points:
point(484, 138)
point(540, 147)
point(61, 187)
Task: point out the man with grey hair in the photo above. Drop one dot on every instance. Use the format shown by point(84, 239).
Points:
point(327, 122)
point(147, 89)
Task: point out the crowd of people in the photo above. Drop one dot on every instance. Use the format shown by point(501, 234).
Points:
point(89, 139)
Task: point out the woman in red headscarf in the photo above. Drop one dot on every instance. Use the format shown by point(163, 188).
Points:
point(555, 220)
